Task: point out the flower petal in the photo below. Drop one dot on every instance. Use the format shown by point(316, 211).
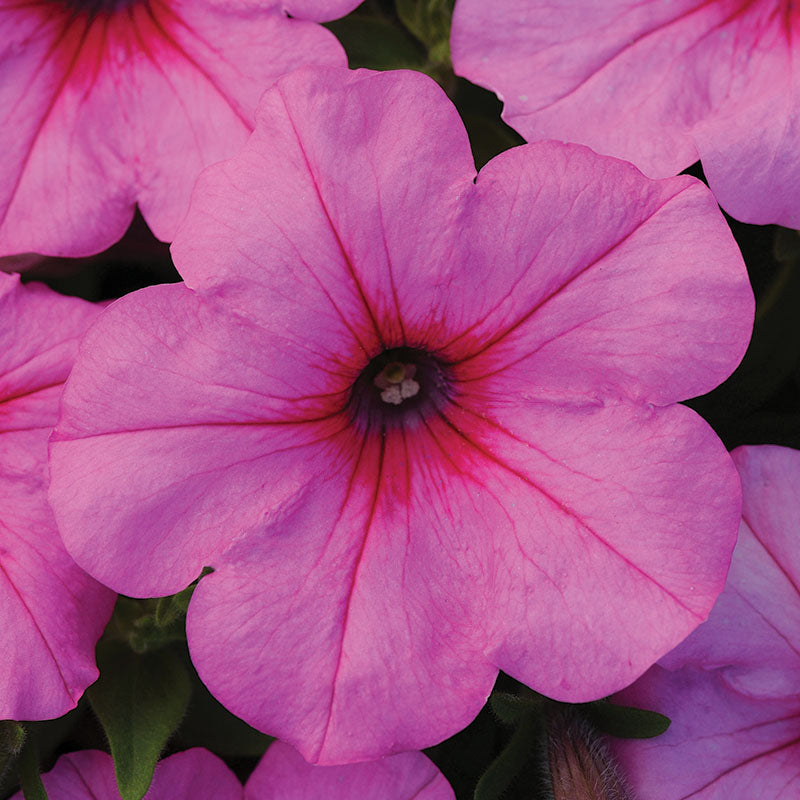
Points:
point(612, 530)
point(657, 83)
point(753, 632)
point(597, 282)
point(351, 627)
point(329, 203)
point(221, 427)
point(52, 613)
point(89, 775)
point(102, 112)
point(720, 745)
point(282, 774)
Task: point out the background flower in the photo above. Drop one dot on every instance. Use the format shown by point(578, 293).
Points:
point(191, 775)
point(732, 688)
point(539, 505)
point(657, 83)
point(283, 775)
point(105, 105)
point(51, 612)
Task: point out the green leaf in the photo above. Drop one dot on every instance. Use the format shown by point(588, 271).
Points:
point(171, 610)
point(376, 43)
point(626, 722)
point(12, 740)
point(140, 700)
point(29, 778)
point(510, 763)
point(510, 708)
point(429, 21)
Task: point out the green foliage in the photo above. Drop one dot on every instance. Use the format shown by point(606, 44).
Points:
point(502, 772)
point(12, 740)
point(429, 21)
point(376, 43)
point(626, 722)
point(29, 778)
point(140, 700)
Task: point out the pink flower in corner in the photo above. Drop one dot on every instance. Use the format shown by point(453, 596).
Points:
point(660, 83)
point(282, 774)
point(108, 103)
point(51, 612)
point(732, 688)
point(193, 774)
point(422, 428)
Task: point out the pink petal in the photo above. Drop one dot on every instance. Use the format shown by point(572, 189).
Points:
point(208, 452)
point(89, 775)
point(327, 194)
point(107, 111)
point(720, 746)
point(283, 775)
point(659, 84)
point(753, 633)
point(319, 10)
point(51, 612)
point(394, 542)
point(565, 313)
point(734, 694)
point(618, 521)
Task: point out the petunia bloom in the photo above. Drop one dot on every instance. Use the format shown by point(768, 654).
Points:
point(105, 104)
point(51, 612)
point(423, 428)
point(660, 83)
point(283, 775)
point(732, 688)
point(191, 775)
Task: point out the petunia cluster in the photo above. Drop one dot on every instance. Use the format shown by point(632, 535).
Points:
point(401, 431)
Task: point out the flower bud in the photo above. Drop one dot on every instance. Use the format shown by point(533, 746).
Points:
point(581, 767)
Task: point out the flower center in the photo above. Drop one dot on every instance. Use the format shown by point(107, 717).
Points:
point(400, 387)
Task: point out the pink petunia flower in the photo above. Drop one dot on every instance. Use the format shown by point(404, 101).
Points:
point(51, 612)
point(732, 688)
point(283, 775)
point(422, 428)
point(193, 774)
point(660, 83)
point(105, 104)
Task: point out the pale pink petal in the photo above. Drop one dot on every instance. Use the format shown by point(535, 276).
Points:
point(595, 282)
point(191, 775)
point(282, 774)
point(614, 490)
point(51, 612)
point(205, 447)
point(100, 113)
point(749, 145)
point(721, 745)
point(378, 578)
point(753, 633)
point(732, 689)
point(330, 204)
point(320, 10)
point(657, 83)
